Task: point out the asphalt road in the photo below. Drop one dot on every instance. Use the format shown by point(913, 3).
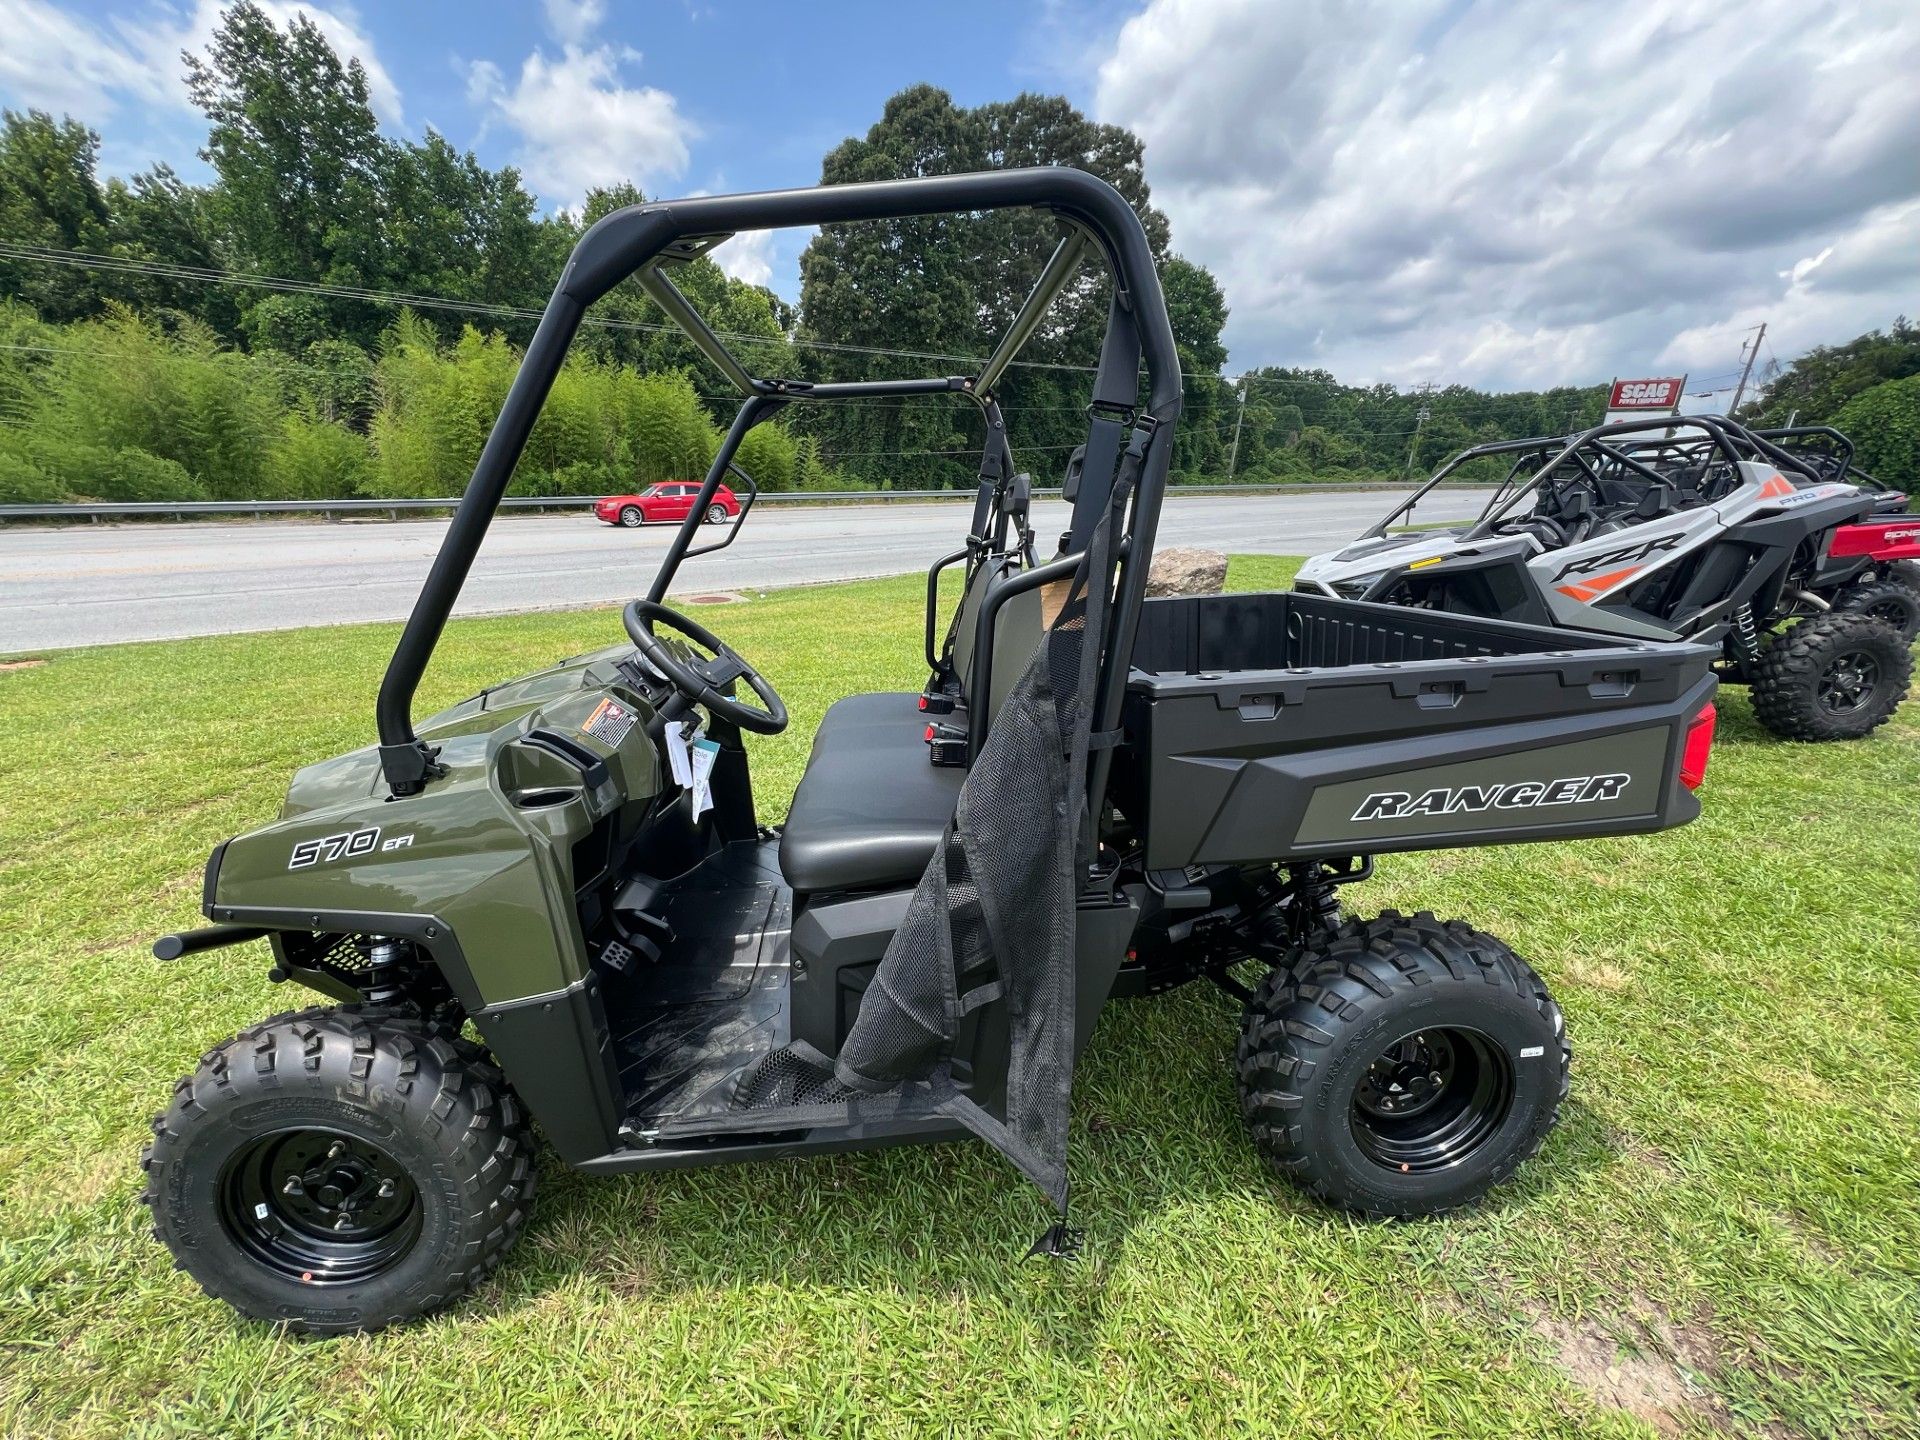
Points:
point(104, 584)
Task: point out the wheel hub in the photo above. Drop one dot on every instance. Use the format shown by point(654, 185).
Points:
point(1848, 682)
point(1407, 1078)
point(1431, 1099)
point(320, 1207)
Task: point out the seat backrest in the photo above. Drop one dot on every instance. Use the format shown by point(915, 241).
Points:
point(1016, 633)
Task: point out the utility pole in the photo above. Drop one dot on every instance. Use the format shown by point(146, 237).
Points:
point(1420, 418)
point(1233, 455)
point(1751, 354)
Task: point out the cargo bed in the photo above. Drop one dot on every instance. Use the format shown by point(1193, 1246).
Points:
point(1285, 726)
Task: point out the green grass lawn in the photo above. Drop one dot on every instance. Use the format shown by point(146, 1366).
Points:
point(1723, 1237)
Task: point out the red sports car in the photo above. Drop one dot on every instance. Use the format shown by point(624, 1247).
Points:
point(670, 500)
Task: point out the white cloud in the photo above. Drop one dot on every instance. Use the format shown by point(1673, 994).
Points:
point(580, 126)
point(1530, 193)
point(56, 61)
point(572, 21)
point(748, 256)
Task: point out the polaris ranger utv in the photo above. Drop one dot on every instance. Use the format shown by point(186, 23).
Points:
point(552, 903)
point(1690, 527)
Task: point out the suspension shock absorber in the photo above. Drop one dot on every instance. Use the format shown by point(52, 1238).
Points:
point(385, 959)
point(1316, 902)
point(1746, 636)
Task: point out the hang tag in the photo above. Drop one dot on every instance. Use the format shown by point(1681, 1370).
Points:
point(678, 763)
point(705, 753)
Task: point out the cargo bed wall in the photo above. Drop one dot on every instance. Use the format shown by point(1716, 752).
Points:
point(1283, 726)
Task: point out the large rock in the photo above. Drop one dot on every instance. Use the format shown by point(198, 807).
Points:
point(1186, 570)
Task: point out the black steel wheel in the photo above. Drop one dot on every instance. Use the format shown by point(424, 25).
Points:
point(334, 1170)
point(1401, 1066)
point(1431, 1099)
point(1835, 676)
point(320, 1206)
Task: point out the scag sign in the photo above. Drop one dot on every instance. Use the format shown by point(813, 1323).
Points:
point(1646, 394)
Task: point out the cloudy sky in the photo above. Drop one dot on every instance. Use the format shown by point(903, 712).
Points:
point(1406, 190)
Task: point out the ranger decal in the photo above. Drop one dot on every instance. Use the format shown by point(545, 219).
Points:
point(1519, 795)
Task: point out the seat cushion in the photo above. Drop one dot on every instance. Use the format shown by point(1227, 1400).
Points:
point(871, 807)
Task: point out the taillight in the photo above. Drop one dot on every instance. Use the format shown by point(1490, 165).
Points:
point(1693, 759)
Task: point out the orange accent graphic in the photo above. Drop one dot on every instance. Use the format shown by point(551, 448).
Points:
point(1588, 591)
point(1777, 486)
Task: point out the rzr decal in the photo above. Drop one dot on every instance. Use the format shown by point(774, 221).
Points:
point(1519, 795)
point(1629, 555)
point(1588, 591)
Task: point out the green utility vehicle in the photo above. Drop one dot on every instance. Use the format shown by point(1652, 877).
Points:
point(553, 904)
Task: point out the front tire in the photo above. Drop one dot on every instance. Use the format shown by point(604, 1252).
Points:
point(1401, 1066)
point(340, 1170)
point(631, 517)
point(1835, 676)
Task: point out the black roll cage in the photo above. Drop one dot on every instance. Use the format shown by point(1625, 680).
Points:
point(646, 240)
point(1718, 436)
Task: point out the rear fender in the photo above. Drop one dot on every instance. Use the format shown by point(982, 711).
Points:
point(1881, 540)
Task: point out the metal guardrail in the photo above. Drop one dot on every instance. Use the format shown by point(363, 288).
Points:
point(393, 509)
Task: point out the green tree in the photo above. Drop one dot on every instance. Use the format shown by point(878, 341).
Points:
point(156, 216)
point(1884, 425)
point(949, 286)
point(50, 197)
point(1813, 388)
point(298, 152)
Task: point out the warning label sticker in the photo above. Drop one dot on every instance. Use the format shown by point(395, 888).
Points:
point(610, 723)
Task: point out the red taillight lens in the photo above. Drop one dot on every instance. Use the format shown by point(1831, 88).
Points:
point(1693, 759)
point(929, 735)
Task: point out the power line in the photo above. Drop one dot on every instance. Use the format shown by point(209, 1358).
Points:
point(207, 275)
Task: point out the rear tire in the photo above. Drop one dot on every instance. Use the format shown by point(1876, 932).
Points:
point(1401, 1066)
point(1837, 676)
point(716, 515)
point(1902, 572)
point(338, 1170)
point(1889, 601)
point(631, 517)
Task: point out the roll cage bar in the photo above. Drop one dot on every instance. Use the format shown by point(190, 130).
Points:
point(1726, 439)
point(647, 240)
point(1717, 435)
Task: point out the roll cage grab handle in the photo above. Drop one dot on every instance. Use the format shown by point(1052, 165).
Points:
point(644, 238)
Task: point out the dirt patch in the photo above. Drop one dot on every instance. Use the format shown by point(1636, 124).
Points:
point(718, 597)
point(30, 663)
point(1822, 1249)
point(1596, 974)
point(1647, 1365)
point(1636, 1151)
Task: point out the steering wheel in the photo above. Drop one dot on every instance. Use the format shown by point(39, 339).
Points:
point(702, 679)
